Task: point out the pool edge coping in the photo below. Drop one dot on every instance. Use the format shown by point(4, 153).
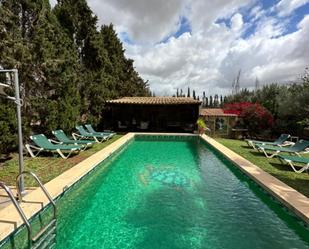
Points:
point(288, 196)
point(292, 199)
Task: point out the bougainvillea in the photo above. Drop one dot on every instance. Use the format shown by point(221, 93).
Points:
point(255, 116)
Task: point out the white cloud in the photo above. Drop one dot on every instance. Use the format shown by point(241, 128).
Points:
point(203, 14)
point(237, 22)
point(144, 21)
point(209, 57)
point(286, 7)
point(210, 61)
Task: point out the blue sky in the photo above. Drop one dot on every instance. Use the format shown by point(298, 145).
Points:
point(203, 44)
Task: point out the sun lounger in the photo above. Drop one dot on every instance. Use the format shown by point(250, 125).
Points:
point(297, 148)
point(64, 139)
point(43, 144)
point(280, 141)
point(291, 160)
point(106, 133)
point(83, 134)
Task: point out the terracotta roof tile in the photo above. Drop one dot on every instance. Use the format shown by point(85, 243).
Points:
point(215, 112)
point(154, 101)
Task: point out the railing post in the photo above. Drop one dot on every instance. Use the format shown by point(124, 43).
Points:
point(20, 135)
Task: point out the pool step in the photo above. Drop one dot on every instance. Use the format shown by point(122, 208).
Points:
point(46, 238)
point(45, 231)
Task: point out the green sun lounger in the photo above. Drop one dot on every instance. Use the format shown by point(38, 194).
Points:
point(83, 134)
point(91, 130)
point(64, 139)
point(297, 148)
point(44, 144)
point(280, 141)
point(291, 160)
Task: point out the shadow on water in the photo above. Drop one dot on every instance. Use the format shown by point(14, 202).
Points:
point(166, 216)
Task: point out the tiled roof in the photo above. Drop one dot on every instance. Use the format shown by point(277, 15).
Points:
point(155, 101)
point(215, 112)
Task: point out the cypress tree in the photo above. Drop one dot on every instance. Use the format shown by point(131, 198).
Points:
point(204, 100)
point(11, 50)
point(79, 22)
point(67, 68)
point(216, 101)
point(53, 90)
point(211, 102)
point(193, 94)
point(188, 95)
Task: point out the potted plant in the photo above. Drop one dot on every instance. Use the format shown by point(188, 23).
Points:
point(201, 126)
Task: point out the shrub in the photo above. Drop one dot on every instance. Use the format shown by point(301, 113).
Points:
point(255, 117)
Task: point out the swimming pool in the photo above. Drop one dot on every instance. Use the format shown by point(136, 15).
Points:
point(172, 193)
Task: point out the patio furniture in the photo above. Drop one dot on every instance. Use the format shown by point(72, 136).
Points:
point(83, 134)
point(291, 160)
point(89, 127)
point(64, 139)
point(44, 144)
point(297, 148)
point(280, 141)
point(143, 125)
point(121, 126)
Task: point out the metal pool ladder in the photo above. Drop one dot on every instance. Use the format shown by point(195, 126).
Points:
point(46, 237)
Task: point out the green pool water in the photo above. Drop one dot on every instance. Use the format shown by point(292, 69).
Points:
point(173, 194)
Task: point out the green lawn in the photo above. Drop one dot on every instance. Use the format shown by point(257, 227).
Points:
point(298, 181)
point(47, 166)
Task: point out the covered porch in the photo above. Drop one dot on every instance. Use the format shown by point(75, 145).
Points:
point(153, 114)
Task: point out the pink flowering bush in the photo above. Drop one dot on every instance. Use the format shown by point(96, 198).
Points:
point(254, 116)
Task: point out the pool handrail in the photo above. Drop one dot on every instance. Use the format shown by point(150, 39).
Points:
point(18, 208)
point(39, 236)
